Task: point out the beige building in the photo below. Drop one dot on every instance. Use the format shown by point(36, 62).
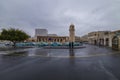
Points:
point(77, 39)
point(116, 40)
point(48, 39)
point(61, 39)
point(33, 39)
point(84, 38)
point(116, 43)
point(92, 37)
point(102, 38)
point(52, 35)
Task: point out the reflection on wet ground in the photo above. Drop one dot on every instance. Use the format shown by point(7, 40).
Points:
point(89, 51)
point(90, 63)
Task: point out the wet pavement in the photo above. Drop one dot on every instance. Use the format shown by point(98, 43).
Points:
point(90, 63)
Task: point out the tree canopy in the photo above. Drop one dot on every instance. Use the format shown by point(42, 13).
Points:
point(14, 35)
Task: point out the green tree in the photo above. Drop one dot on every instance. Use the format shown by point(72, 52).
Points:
point(14, 35)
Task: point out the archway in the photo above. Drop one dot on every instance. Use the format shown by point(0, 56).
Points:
point(107, 41)
point(95, 42)
point(115, 43)
point(102, 42)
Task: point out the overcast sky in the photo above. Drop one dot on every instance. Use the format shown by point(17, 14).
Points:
point(57, 15)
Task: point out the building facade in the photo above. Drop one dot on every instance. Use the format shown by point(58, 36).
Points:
point(61, 39)
point(102, 38)
point(43, 36)
point(52, 35)
point(116, 40)
point(84, 38)
point(41, 32)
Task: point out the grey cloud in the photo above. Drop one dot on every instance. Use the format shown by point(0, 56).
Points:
point(57, 15)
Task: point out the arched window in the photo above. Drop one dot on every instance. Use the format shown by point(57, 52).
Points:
point(61, 40)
